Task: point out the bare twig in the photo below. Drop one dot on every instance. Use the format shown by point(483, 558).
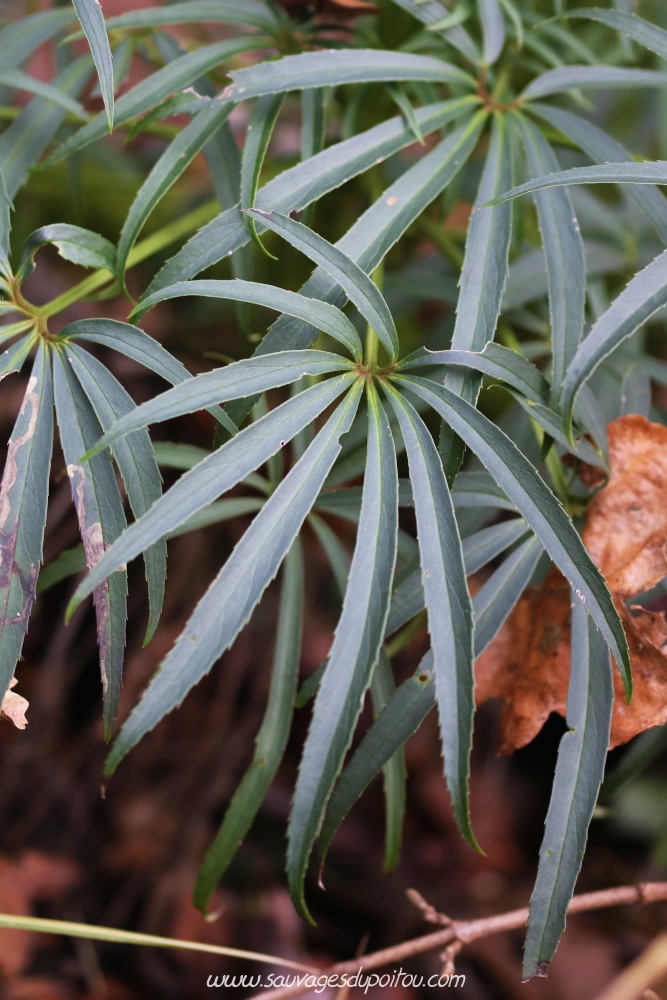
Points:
point(464, 931)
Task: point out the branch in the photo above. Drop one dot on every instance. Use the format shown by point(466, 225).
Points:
point(462, 932)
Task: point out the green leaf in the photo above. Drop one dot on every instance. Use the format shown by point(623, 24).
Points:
point(602, 149)
point(333, 67)
point(21, 81)
point(339, 561)
point(555, 81)
point(400, 718)
point(68, 563)
point(101, 519)
point(301, 185)
point(215, 474)
point(564, 252)
point(395, 772)
point(357, 285)
point(174, 455)
point(271, 738)
point(450, 616)
point(379, 227)
point(23, 142)
point(645, 32)
point(176, 157)
point(211, 11)
point(313, 121)
point(81, 246)
point(134, 343)
point(494, 601)
point(20, 39)
point(135, 459)
point(537, 505)
point(231, 598)
point(24, 492)
point(482, 281)
point(5, 230)
point(642, 751)
point(258, 135)
point(91, 18)
point(581, 759)
point(604, 173)
point(176, 75)
point(187, 102)
point(498, 362)
point(326, 317)
point(255, 375)
point(215, 513)
point(479, 489)
point(642, 297)
point(402, 101)
point(478, 550)
point(354, 652)
point(431, 12)
point(551, 423)
point(12, 359)
point(493, 29)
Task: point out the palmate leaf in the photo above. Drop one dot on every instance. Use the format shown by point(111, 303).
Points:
point(552, 424)
point(217, 473)
point(134, 343)
point(450, 617)
point(376, 231)
point(22, 81)
point(414, 699)
point(81, 246)
point(334, 67)
point(354, 652)
point(354, 281)
point(91, 18)
point(101, 520)
point(23, 499)
point(19, 40)
point(236, 380)
point(231, 598)
point(178, 155)
point(564, 252)
point(482, 281)
point(135, 459)
point(537, 505)
point(642, 297)
point(272, 737)
point(324, 316)
point(394, 770)
point(562, 78)
point(12, 359)
point(298, 187)
point(581, 760)
point(176, 75)
point(258, 135)
point(602, 148)
point(23, 142)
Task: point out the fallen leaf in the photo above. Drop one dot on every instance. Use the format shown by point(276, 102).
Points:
point(14, 707)
point(626, 522)
point(527, 665)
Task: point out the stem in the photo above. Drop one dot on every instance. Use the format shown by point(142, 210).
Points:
point(94, 932)
point(464, 931)
point(371, 353)
point(146, 248)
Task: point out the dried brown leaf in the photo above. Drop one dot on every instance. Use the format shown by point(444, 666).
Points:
point(14, 707)
point(626, 523)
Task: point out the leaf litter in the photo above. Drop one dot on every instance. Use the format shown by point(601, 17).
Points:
point(527, 665)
